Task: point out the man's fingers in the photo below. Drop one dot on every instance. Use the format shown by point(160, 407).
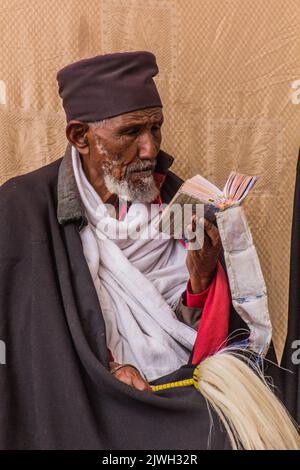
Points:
point(126, 379)
point(140, 384)
point(195, 238)
point(195, 232)
point(210, 236)
point(212, 232)
point(131, 377)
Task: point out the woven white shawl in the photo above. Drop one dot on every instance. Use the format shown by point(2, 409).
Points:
point(138, 282)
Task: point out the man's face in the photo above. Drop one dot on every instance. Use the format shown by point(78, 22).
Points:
point(124, 149)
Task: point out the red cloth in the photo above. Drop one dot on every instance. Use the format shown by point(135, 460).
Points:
point(196, 300)
point(213, 327)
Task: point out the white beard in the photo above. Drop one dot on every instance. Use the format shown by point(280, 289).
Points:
point(145, 191)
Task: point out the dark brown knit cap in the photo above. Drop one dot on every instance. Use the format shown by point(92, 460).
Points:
point(108, 85)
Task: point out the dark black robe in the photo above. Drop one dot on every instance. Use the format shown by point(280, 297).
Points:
point(55, 389)
point(291, 355)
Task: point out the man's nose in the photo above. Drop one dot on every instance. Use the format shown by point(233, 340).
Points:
point(148, 148)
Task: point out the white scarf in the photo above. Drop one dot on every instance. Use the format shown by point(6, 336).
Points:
point(138, 282)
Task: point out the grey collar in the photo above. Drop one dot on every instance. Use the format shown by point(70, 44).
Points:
point(70, 207)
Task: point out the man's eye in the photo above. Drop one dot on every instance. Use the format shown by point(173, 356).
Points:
point(156, 128)
point(133, 131)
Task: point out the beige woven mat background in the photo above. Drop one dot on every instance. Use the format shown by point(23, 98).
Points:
point(226, 74)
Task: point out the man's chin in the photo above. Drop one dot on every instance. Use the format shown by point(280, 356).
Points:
point(138, 188)
point(141, 177)
point(140, 193)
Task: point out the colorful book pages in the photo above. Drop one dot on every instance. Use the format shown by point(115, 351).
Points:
point(235, 190)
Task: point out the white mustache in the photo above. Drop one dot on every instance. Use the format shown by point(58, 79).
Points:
point(140, 165)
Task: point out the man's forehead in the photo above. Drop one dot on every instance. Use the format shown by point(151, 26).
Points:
point(139, 116)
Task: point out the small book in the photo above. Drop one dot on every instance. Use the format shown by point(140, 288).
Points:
point(198, 190)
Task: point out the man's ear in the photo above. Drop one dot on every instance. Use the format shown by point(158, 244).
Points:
point(76, 133)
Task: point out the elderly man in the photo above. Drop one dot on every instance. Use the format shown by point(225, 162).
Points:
point(77, 303)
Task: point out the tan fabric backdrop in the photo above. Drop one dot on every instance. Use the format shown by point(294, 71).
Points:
point(226, 71)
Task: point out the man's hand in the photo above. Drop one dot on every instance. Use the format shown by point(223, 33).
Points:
point(130, 376)
point(202, 263)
